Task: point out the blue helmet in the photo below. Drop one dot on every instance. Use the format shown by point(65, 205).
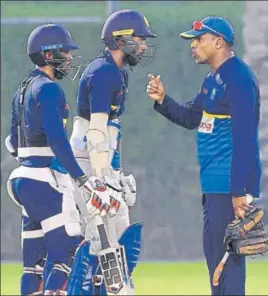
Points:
point(123, 26)
point(126, 22)
point(54, 38)
point(50, 36)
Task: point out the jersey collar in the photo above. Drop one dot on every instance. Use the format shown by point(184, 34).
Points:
point(108, 56)
point(36, 72)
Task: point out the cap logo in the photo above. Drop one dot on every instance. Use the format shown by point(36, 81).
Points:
point(146, 22)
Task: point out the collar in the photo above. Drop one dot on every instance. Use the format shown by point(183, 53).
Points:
point(226, 63)
point(109, 56)
point(38, 72)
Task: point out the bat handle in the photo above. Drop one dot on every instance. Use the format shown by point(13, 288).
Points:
point(219, 269)
point(102, 232)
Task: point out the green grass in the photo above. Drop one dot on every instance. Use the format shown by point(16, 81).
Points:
point(175, 9)
point(161, 279)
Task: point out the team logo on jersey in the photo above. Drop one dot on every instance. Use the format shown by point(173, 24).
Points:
point(213, 94)
point(64, 120)
point(114, 107)
point(206, 125)
point(218, 79)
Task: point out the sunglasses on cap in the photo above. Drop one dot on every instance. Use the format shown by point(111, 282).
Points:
point(199, 26)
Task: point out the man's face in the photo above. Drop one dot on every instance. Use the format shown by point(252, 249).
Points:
point(141, 45)
point(136, 50)
point(204, 48)
point(68, 56)
point(62, 58)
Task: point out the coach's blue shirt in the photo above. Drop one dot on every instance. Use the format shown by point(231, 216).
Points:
point(226, 112)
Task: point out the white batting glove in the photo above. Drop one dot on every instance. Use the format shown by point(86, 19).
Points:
point(96, 195)
point(116, 192)
point(129, 189)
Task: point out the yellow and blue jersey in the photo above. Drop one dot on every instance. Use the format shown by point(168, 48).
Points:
point(103, 88)
point(226, 112)
point(214, 139)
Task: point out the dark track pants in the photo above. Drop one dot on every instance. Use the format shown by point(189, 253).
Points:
point(217, 213)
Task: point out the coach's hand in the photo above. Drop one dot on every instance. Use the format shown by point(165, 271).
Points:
point(155, 88)
point(241, 205)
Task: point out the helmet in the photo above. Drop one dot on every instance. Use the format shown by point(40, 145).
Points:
point(54, 38)
point(122, 26)
point(128, 22)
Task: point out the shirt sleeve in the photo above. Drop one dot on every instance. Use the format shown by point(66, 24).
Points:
point(187, 115)
point(104, 84)
point(52, 123)
point(83, 105)
point(243, 109)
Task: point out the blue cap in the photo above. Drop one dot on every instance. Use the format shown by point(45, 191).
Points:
point(50, 36)
point(217, 26)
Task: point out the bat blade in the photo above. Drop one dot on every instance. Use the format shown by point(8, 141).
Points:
point(112, 260)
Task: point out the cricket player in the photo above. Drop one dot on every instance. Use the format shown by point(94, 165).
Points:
point(96, 136)
point(42, 184)
point(226, 113)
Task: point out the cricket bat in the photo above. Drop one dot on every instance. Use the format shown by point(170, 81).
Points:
point(112, 262)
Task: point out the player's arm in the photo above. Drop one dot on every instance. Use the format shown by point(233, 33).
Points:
point(242, 95)
point(104, 83)
point(114, 132)
point(187, 115)
point(11, 142)
point(56, 135)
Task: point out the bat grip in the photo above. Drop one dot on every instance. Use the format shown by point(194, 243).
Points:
point(102, 232)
